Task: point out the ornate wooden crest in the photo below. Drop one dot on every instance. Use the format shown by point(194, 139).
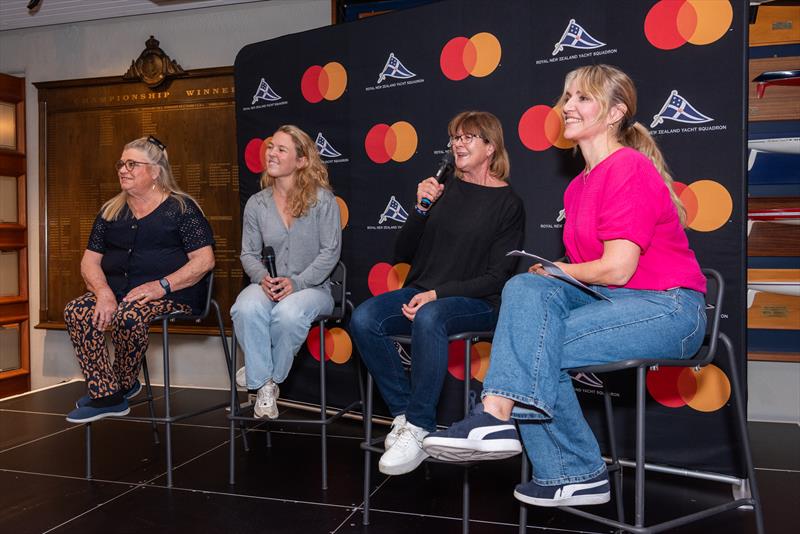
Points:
point(153, 67)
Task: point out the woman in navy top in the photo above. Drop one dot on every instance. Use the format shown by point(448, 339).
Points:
point(149, 246)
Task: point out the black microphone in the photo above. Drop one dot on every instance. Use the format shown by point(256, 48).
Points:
point(268, 257)
point(441, 174)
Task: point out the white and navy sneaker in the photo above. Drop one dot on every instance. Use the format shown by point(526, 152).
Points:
point(592, 491)
point(397, 424)
point(129, 394)
point(481, 436)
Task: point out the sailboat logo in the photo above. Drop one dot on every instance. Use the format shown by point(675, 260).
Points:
point(677, 108)
point(394, 68)
point(576, 37)
point(325, 148)
point(265, 92)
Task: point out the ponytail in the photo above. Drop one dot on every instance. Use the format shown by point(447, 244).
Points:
point(637, 137)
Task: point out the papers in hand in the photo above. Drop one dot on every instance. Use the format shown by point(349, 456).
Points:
point(556, 272)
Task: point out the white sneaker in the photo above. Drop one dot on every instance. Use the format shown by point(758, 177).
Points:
point(397, 425)
point(241, 379)
point(406, 453)
point(265, 401)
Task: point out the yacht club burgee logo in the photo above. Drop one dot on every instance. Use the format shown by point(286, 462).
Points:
point(575, 36)
point(266, 94)
point(679, 109)
point(395, 70)
point(326, 150)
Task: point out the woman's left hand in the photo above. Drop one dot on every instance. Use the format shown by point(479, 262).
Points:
point(145, 293)
point(416, 302)
point(278, 288)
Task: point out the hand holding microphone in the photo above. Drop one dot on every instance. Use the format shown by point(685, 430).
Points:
point(276, 287)
point(430, 189)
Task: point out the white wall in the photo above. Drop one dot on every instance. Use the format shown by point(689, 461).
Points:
point(196, 39)
point(774, 389)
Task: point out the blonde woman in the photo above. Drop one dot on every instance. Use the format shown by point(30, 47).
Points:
point(624, 237)
point(296, 214)
point(148, 248)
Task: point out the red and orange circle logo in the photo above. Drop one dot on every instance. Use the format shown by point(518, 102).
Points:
point(672, 23)
point(328, 82)
point(255, 154)
point(338, 346)
point(708, 204)
point(385, 277)
point(397, 142)
point(706, 390)
point(541, 127)
point(479, 359)
point(477, 56)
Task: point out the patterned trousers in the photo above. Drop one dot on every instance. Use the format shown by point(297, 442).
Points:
point(130, 327)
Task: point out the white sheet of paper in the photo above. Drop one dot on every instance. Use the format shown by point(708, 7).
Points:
point(555, 271)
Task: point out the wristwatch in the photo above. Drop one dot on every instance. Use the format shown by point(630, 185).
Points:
point(165, 284)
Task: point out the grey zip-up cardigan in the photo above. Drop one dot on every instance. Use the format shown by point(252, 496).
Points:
point(306, 252)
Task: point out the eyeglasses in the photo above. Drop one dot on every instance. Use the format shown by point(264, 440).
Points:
point(464, 139)
point(153, 140)
point(129, 164)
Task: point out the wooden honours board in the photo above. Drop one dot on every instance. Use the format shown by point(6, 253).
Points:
point(83, 126)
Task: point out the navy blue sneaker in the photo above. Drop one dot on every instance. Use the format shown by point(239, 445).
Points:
point(481, 436)
point(91, 412)
point(129, 394)
point(592, 491)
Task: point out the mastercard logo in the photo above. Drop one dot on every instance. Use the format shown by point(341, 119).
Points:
point(479, 359)
point(708, 204)
point(344, 212)
point(338, 346)
point(672, 23)
point(706, 390)
point(328, 82)
point(397, 142)
point(255, 154)
point(477, 56)
point(541, 127)
point(385, 277)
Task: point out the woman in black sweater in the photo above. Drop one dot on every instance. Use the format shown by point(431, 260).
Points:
point(457, 252)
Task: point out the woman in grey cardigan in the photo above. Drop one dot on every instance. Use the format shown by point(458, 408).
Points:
point(296, 214)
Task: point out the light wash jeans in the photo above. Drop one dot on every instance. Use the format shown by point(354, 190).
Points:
point(270, 333)
point(546, 326)
point(381, 316)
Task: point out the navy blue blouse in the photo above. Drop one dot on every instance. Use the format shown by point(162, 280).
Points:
point(136, 251)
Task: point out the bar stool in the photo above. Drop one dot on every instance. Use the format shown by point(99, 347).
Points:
point(240, 414)
point(374, 445)
point(703, 357)
point(169, 418)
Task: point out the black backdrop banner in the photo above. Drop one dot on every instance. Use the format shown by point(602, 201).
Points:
point(377, 95)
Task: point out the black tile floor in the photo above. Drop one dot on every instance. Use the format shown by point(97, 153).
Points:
point(43, 486)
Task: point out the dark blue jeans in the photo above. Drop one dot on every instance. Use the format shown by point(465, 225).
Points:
point(380, 317)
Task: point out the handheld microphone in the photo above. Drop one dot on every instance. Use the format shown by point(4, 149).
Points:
point(441, 174)
point(268, 257)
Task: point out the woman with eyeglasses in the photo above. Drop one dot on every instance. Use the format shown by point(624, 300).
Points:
point(149, 247)
point(457, 249)
point(297, 215)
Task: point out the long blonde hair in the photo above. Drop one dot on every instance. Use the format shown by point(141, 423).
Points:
point(156, 154)
point(611, 87)
point(303, 194)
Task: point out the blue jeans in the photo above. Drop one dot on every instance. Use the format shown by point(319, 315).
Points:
point(547, 326)
point(270, 333)
point(380, 317)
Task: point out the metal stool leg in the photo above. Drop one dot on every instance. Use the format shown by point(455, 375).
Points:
point(167, 413)
point(367, 452)
point(612, 445)
point(641, 373)
point(465, 486)
point(523, 478)
point(323, 409)
point(150, 402)
point(88, 451)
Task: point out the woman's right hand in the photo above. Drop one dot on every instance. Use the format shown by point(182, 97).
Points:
point(104, 311)
point(537, 268)
point(428, 188)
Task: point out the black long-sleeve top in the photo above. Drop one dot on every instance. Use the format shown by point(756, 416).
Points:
point(459, 248)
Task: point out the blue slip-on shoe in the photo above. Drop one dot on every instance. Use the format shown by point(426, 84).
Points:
point(481, 436)
point(593, 491)
point(90, 412)
point(130, 393)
